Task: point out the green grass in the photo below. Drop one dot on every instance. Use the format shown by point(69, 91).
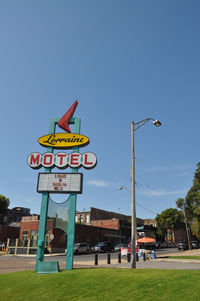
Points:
point(184, 257)
point(102, 284)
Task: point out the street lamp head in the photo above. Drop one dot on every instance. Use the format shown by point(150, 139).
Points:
point(157, 123)
point(120, 188)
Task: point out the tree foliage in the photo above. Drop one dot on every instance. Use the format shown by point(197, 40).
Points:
point(192, 200)
point(169, 219)
point(4, 204)
point(191, 204)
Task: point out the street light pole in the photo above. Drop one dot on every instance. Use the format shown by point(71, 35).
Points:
point(133, 217)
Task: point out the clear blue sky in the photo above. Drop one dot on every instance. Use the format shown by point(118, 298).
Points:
point(123, 60)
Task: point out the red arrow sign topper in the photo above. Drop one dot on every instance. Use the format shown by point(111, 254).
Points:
point(63, 123)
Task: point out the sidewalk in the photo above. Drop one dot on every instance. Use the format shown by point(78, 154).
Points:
point(162, 262)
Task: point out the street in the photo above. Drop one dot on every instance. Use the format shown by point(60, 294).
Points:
point(12, 263)
point(103, 256)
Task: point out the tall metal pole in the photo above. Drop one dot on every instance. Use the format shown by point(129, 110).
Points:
point(44, 209)
point(133, 217)
point(72, 207)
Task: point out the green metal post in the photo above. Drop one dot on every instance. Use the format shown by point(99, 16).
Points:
point(72, 208)
point(44, 209)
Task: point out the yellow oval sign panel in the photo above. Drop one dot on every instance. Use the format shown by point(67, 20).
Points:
point(63, 140)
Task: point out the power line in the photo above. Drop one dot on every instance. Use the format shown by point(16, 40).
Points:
point(149, 186)
point(146, 208)
point(139, 204)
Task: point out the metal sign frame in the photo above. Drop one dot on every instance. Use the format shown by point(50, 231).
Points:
point(72, 206)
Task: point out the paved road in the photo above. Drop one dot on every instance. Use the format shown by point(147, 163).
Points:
point(103, 256)
point(10, 263)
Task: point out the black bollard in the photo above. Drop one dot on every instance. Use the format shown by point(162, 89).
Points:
point(144, 256)
point(129, 257)
point(108, 259)
point(96, 259)
point(119, 257)
point(137, 257)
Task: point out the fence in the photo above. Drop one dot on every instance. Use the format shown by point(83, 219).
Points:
point(16, 246)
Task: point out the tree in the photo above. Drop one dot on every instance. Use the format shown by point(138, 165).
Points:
point(193, 196)
point(180, 203)
point(169, 220)
point(4, 203)
point(192, 204)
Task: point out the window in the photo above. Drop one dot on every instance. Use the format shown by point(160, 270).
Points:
point(34, 236)
point(24, 238)
point(76, 218)
point(87, 218)
point(81, 219)
point(25, 235)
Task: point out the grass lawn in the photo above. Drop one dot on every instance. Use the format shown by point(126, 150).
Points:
point(102, 284)
point(184, 257)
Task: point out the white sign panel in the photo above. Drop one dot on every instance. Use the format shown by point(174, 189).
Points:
point(60, 182)
point(62, 160)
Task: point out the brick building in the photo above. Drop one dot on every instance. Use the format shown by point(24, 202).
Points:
point(85, 217)
point(91, 226)
point(8, 232)
point(109, 220)
point(83, 233)
point(29, 230)
point(150, 222)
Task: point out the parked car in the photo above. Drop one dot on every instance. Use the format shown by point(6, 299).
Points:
point(195, 244)
point(103, 247)
point(183, 245)
point(119, 246)
point(173, 245)
point(158, 244)
point(165, 244)
point(81, 248)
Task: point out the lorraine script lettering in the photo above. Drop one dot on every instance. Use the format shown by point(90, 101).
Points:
point(53, 141)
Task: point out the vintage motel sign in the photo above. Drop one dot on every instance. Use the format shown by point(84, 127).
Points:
point(63, 140)
point(70, 183)
point(62, 160)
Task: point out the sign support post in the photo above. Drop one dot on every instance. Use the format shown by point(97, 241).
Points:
point(44, 209)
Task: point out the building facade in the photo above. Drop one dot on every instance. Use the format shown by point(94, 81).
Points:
point(11, 221)
point(92, 227)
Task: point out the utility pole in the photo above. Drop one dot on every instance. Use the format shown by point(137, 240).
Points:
point(133, 216)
